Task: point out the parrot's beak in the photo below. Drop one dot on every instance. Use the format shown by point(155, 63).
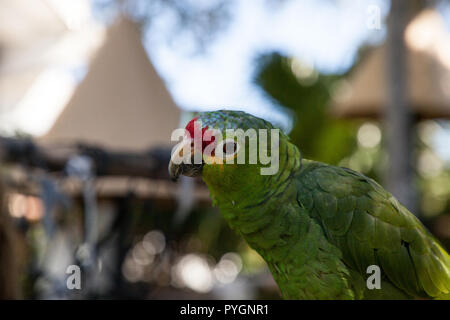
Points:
point(183, 161)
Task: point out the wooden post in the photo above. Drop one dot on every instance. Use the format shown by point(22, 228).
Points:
point(9, 277)
point(151, 164)
point(398, 117)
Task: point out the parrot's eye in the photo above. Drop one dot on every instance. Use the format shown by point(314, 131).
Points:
point(229, 149)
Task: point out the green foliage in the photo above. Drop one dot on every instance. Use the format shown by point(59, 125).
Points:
point(318, 135)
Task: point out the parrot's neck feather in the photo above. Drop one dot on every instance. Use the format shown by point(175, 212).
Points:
point(252, 211)
point(266, 213)
point(293, 246)
point(246, 193)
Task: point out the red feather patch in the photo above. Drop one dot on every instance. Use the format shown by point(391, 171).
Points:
point(190, 127)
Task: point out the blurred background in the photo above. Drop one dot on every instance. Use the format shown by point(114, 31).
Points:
point(90, 92)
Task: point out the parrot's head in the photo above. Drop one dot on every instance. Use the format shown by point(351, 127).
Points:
point(230, 150)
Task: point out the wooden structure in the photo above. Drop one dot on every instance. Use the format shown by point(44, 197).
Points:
point(428, 75)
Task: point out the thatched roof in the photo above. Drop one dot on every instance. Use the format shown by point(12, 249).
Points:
point(122, 103)
point(428, 78)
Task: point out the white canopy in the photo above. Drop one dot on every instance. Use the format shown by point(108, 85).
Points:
point(122, 102)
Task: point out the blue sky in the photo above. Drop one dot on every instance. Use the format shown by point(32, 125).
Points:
point(325, 34)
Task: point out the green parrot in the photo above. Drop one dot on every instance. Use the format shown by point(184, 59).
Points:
point(325, 232)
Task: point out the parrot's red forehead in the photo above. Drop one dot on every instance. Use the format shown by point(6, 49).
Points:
point(194, 124)
point(191, 126)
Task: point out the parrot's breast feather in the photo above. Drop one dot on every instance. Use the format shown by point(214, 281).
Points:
point(371, 227)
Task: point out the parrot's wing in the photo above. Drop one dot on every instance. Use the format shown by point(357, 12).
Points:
point(371, 227)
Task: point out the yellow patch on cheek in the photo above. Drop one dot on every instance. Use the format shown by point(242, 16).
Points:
point(210, 159)
point(218, 161)
point(214, 161)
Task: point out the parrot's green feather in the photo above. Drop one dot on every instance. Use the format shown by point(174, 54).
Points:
point(319, 227)
point(381, 230)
